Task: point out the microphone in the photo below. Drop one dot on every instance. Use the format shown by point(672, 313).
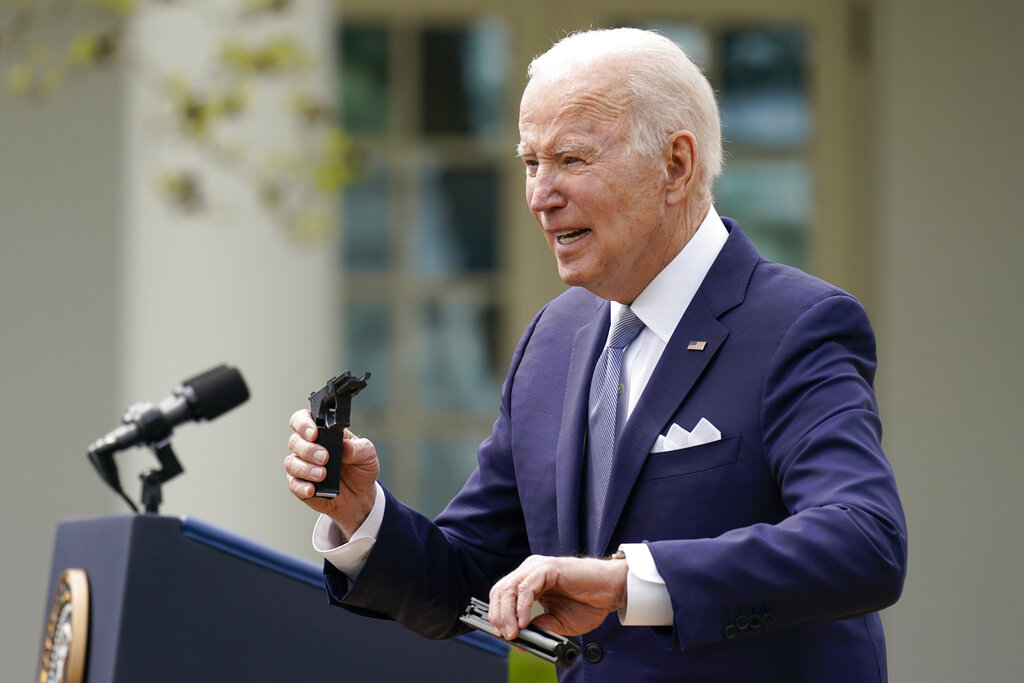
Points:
point(204, 397)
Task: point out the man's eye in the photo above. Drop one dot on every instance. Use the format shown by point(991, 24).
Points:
point(573, 160)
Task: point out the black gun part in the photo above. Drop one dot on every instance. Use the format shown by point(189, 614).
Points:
point(549, 646)
point(331, 407)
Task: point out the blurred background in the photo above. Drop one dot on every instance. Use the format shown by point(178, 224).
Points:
point(298, 188)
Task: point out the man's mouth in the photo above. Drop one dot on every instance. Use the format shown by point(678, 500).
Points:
point(569, 236)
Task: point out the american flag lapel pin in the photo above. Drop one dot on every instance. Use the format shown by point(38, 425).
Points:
point(696, 345)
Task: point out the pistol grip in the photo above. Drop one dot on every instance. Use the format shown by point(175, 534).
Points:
point(330, 438)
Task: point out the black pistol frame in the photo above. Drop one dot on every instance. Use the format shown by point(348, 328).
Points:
point(331, 408)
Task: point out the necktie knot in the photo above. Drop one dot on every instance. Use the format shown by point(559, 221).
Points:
point(626, 329)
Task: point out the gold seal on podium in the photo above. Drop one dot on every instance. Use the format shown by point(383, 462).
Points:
point(67, 630)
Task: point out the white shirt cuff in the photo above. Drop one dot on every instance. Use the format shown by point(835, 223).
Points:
point(647, 599)
point(349, 557)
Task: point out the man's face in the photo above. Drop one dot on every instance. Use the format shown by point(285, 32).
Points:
point(601, 205)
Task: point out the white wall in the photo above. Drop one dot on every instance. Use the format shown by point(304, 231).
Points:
point(107, 298)
point(59, 230)
point(951, 329)
point(225, 285)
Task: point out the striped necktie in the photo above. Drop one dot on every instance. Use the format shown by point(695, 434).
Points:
point(605, 389)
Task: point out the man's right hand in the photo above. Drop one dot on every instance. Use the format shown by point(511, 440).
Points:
point(359, 471)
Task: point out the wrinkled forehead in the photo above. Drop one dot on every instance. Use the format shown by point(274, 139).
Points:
point(575, 97)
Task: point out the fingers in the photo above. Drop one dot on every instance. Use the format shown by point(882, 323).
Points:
point(577, 593)
point(306, 492)
point(502, 604)
point(302, 444)
point(527, 589)
point(302, 423)
point(304, 463)
point(303, 469)
point(512, 598)
point(307, 450)
point(302, 490)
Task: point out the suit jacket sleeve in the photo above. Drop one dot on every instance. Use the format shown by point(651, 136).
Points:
point(840, 549)
point(422, 572)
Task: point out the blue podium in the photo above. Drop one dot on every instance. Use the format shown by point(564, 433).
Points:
point(175, 599)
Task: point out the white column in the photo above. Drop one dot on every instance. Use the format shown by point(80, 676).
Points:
point(224, 284)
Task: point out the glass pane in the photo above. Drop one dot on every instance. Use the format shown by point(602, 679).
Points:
point(368, 349)
point(444, 468)
point(366, 221)
point(764, 97)
point(463, 74)
point(458, 339)
point(695, 41)
point(364, 79)
point(772, 202)
point(456, 231)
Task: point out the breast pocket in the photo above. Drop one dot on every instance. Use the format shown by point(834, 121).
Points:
point(690, 460)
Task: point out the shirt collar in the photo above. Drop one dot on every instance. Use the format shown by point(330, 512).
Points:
point(662, 303)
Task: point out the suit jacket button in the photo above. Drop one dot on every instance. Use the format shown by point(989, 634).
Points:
point(768, 619)
point(742, 622)
point(593, 653)
point(755, 621)
point(730, 632)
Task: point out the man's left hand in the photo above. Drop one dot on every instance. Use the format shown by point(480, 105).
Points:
point(576, 592)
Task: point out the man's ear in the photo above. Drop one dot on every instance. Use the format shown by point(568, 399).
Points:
point(680, 166)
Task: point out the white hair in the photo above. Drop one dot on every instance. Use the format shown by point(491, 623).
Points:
point(668, 92)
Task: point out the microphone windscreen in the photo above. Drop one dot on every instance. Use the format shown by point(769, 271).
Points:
point(217, 391)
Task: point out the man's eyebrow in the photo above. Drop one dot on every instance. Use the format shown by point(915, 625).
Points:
point(573, 148)
point(567, 149)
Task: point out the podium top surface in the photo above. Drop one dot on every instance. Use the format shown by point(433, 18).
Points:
point(179, 599)
point(250, 550)
point(258, 554)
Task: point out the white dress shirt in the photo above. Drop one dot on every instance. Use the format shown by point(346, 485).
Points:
point(660, 306)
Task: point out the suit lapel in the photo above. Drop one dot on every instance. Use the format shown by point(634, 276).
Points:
point(587, 345)
point(677, 372)
point(673, 378)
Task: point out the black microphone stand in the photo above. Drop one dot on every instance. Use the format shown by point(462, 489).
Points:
point(156, 430)
point(153, 478)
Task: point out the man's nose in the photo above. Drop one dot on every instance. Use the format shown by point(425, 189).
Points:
point(543, 191)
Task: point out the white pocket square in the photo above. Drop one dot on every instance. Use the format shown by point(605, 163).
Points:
point(678, 438)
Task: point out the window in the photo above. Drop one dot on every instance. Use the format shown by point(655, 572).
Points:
point(420, 253)
point(442, 264)
point(760, 77)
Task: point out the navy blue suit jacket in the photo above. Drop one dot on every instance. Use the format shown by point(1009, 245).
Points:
point(778, 544)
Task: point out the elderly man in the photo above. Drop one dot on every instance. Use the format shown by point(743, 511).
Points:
point(685, 471)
